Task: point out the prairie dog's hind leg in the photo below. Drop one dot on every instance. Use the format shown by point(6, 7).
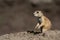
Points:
point(43, 32)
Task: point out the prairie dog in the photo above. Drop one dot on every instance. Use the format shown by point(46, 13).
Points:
point(45, 24)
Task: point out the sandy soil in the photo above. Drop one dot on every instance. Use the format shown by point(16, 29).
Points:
point(50, 35)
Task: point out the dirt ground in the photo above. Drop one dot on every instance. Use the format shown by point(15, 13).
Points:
point(50, 35)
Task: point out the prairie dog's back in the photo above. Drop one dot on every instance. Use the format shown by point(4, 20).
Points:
point(47, 23)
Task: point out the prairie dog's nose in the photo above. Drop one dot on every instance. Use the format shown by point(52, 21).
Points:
point(34, 13)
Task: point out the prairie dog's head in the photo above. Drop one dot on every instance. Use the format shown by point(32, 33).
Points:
point(38, 13)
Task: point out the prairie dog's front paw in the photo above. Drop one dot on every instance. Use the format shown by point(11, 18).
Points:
point(37, 27)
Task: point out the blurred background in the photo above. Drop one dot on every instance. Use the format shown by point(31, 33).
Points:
point(17, 15)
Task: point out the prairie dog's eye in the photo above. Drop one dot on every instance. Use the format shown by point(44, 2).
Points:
point(37, 12)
